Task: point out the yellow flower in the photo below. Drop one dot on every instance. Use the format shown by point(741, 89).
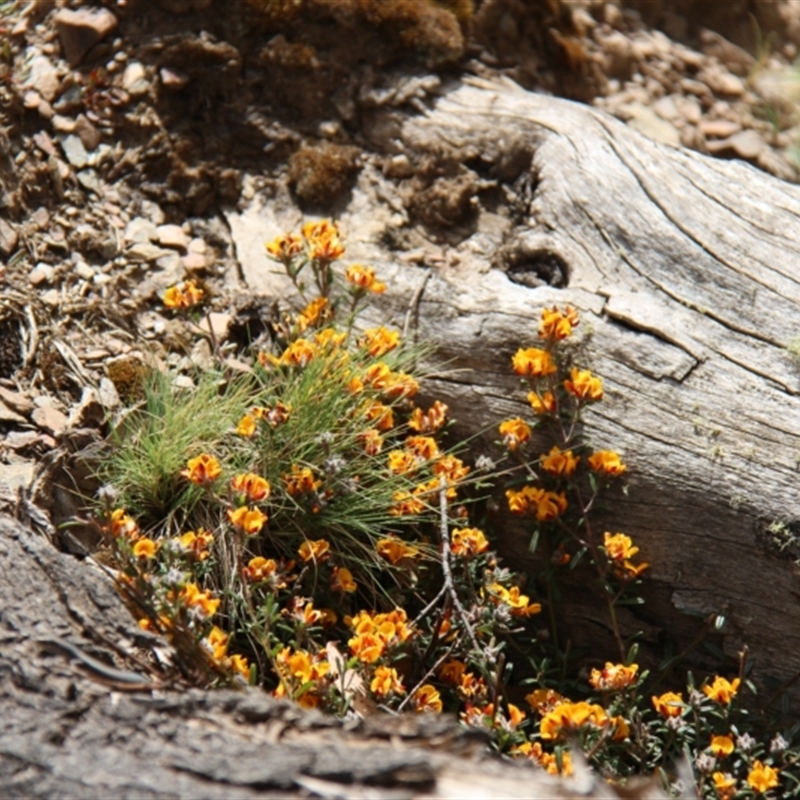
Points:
point(548, 761)
point(452, 468)
point(542, 404)
point(721, 690)
point(721, 746)
point(217, 643)
point(395, 550)
point(317, 551)
point(429, 421)
point(618, 546)
point(669, 704)
point(122, 524)
point(259, 569)
point(555, 325)
point(405, 504)
point(568, 717)
point(546, 505)
point(371, 441)
point(583, 385)
point(762, 777)
point(329, 338)
point(322, 240)
point(422, 446)
point(558, 462)
point(613, 677)
point(515, 716)
point(145, 548)
point(300, 480)
point(313, 313)
point(401, 462)
point(386, 682)
point(299, 353)
point(201, 603)
point(246, 426)
point(250, 520)
point(518, 603)
point(203, 470)
point(620, 730)
point(363, 279)
point(426, 698)
point(514, 432)
point(239, 664)
point(452, 671)
point(379, 341)
point(176, 297)
point(725, 785)
point(285, 247)
point(468, 542)
point(382, 415)
point(543, 700)
point(607, 462)
point(196, 544)
point(273, 415)
point(253, 486)
point(342, 580)
point(533, 363)
point(366, 647)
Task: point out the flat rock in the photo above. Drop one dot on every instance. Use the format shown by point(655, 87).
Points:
point(720, 81)
point(643, 119)
point(140, 230)
point(44, 77)
point(75, 151)
point(88, 133)
point(172, 236)
point(194, 262)
point(719, 128)
point(16, 400)
point(50, 419)
point(747, 145)
point(734, 58)
point(9, 238)
point(134, 80)
point(145, 251)
point(220, 324)
point(89, 179)
point(80, 30)
point(17, 476)
point(41, 273)
point(9, 415)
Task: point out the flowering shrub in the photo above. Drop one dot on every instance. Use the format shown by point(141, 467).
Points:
point(323, 549)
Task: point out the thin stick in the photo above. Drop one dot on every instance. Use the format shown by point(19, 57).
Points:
point(413, 306)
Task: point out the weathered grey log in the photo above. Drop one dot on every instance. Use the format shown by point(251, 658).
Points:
point(65, 735)
point(687, 272)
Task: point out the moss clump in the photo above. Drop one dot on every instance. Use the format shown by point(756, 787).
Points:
point(321, 174)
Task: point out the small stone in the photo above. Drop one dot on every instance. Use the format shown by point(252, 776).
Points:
point(84, 271)
point(82, 29)
point(646, 121)
point(108, 394)
point(52, 298)
point(31, 99)
point(89, 180)
point(719, 128)
point(198, 246)
point(87, 132)
point(220, 324)
point(689, 108)
point(17, 476)
point(50, 419)
point(9, 415)
point(172, 236)
point(89, 412)
point(194, 262)
point(667, 109)
point(140, 229)
point(46, 110)
point(720, 81)
point(9, 238)
point(19, 440)
point(41, 273)
point(17, 401)
point(62, 124)
point(733, 57)
point(44, 77)
point(75, 151)
point(747, 145)
point(153, 212)
point(134, 80)
point(171, 262)
point(43, 141)
point(172, 79)
point(145, 251)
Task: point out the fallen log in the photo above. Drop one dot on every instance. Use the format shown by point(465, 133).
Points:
point(686, 270)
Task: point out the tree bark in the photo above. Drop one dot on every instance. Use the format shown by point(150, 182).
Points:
point(687, 273)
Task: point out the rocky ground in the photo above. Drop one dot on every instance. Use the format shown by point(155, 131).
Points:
point(135, 136)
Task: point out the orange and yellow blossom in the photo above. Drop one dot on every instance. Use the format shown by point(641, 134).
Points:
point(329, 339)
point(122, 524)
point(259, 569)
point(401, 462)
point(533, 363)
point(285, 247)
point(300, 480)
point(548, 761)
point(568, 717)
point(246, 426)
point(427, 699)
point(529, 499)
point(518, 604)
point(216, 643)
point(253, 486)
point(613, 677)
point(273, 415)
point(317, 310)
point(406, 504)
point(452, 671)
point(298, 354)
point(203, 470)
point(314, 550)
point(620, 729)
point(669, 704)
point(584, 386)
point(721, 746)
point(145, 548)
point(606, 462)
point(239, 664)
point(379, 341)
point(559, 462)
point(515, 716)
point(762, 777)
point(196, 543)
point(544, 700)
point(395, 550)
point(542, 404)
point(385, 682)
point(556, 325)
point(467, 542)
point(471, 687)
point(618, 546)
point(429, 421)
point(371, 441)
point(514, 432)
point(722, 690)
point(184, 295)
point(382, 415)
point(301, 665)
point(423, 447)
point(322, 240)
point(451, 468)
point(363, 278)
point(367, 647)
point(249, 520)
point(202, 603)
point(725, 785)
point(342, 580)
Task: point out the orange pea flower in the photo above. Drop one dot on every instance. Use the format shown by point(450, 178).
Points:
point(669, 704)
point(514, 432)
point(542, 404)
point(762, 777)
point(607, 462)
point(386, 682)
point(584, 386)
point(342, 580)
point(249, 520)
point(253, 486)
point(533, 363)
point(145, 548)
point(721, 746)
point(721, 690)
point(427, 699)
point(613, 677)
point(429, 421)
point(317, 551)
point(379, 341)
point(468, 542)
point(363, 279)
point(203, 470)
point(559, 462)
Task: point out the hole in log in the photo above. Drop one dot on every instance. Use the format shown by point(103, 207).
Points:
point(539, 267)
